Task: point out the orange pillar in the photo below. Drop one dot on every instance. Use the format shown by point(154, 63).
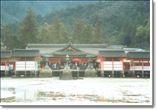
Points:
point(142, 69)
point(5, 69)
point(102, 64)
point(132, 63)
point(112, 68)
point(123, 68)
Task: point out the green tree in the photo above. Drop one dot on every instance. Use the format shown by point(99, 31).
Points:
point(78, 31)
point(8, 37)
point(89, 34)
point(142, 37)
point(45, 34)
point(98, 30)
point(28, 29)
point(54, 33)
point(59, 32)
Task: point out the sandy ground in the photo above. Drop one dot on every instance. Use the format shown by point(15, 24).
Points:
point(86, 91)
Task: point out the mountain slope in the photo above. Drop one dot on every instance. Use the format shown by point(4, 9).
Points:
point(112, 22)
point(14, 11)
point(119, 20)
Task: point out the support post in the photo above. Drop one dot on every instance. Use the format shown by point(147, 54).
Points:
point(35, 70)
point(132, 64)
point(25, 66)
point(15, 70)
point(112, 68)
point(142, 69)
point(123, 69)
point(102, 67)
point(5, 69)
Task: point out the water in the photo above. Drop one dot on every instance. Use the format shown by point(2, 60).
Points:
point(81, 91)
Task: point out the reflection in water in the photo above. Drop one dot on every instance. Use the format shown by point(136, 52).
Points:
point(81, 91)
point(26, 95)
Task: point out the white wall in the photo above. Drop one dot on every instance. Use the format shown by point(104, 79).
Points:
point(4, 68)
point(26, 66)
point(140, 68)
point(108, 66)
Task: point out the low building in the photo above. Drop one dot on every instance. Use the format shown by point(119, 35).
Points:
point(108, 61)
point(139, 63)
point(7, 62)
point(71, 57)
point(19, 61)
point(111, 62)
point(26, 62)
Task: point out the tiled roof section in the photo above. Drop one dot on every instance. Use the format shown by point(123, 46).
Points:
point(6, 53)
point(50, 48)
point(63, 45)
point(25, 53)
point(145, 54)
point(134, 49)
point(116, 47)
point(112, 53)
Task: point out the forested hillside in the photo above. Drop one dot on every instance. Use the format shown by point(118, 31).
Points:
point(112, 22)
point(14, 11)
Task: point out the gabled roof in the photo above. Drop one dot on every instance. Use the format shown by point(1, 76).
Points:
point(112, 53)
point(69, 50)
point(6, 53)
point(25, 53)
point(145, 54)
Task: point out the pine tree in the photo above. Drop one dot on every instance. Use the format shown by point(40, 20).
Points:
point(28, 30)
point(59, 33)
point(98, 30)
point(45, 34)
point(79, 27)
point(8, 37)
point(89, 34)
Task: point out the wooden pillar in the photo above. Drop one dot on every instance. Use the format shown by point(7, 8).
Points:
point(102, 66)
point(142, 69)
point(132, 64)
point(123, 68)
point(77, 72)
point(14, 66)
point(112, 68)
point(35, 69)
point(129, 67)
point(25, 66)
point(15, 69)
point(5, 74)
